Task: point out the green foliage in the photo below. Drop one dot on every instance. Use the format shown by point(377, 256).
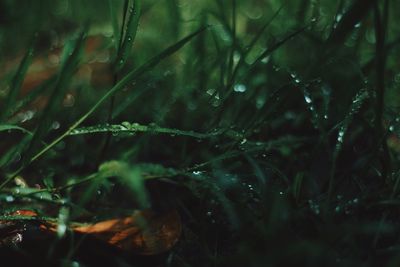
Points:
point(272, 128)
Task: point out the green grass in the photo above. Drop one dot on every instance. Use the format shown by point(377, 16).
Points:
point(271, 127)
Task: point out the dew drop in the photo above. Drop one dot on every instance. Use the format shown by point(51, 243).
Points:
point(265, 60)
point(340, 136)
point(10, 198)
point(338, 17)
point(307, 99)
point(55, 125)
point(126, 124)
point(239, 88)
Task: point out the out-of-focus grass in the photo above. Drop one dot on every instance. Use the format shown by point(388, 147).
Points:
point(273, 130)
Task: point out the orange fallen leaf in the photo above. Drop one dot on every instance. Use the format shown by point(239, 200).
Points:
point(145, 233)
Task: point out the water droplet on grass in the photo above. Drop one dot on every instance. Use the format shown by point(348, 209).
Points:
point(239, 88)
point(265, 60)
point(55, 125)
point(338, 17)
point(126, 124)
point(10, 198)
point(340, 136)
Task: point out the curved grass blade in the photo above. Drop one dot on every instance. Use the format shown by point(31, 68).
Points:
point(13, 152)
point(17, 81)
point(32, 95)
point(8, 127)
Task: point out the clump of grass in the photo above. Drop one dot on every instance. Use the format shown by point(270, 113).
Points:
point(271, 129)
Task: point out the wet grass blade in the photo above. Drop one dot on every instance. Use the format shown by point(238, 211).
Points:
point(114, 22)
point(6, 157)
point(234, 41)
point(346, 25)
point(32, 95)
point(355, 107)
point(297, 186)
point(13, 152)
point(17, 81)
point(9, 127)
point(132, 128)
point(130, 34)
point(381, 22)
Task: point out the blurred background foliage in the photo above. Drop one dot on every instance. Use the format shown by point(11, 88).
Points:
point(274, 132)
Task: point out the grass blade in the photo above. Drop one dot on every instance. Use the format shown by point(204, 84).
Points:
point(9, 127)
point(355, 107)
point(114, 22)
point(132, 128)
point(32, 95)
point(17, 81)
point(130, 34)
point(346, 25)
